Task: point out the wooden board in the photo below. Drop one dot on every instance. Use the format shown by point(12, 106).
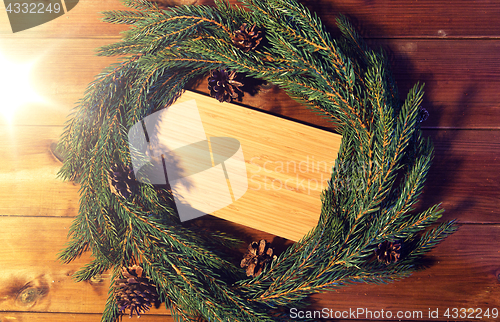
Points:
point(288, 165)
point(32, 279)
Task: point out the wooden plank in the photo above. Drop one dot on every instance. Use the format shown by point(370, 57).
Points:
point(30, 257)
point(73, 317)
point(33, 280)
point(461, 77)
point(84, 20)
point(28, 183)
point(385, 18)
point(462, 272)
point(65, 68)
point(461, 83)
point(414, 19)
point(468, 255)
point(464, 176)
point(61, 71)
point(440, 59)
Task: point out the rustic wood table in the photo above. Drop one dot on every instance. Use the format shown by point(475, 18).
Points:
point(452, 46)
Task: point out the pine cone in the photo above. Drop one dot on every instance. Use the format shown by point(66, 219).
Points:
point(135, 292)
point(247, 40)
point(388, 252)
point(121, 180)
point(258, 255)
point(222, 85)
point(423, 115)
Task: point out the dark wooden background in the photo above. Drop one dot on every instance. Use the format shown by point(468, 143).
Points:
point(452, 46)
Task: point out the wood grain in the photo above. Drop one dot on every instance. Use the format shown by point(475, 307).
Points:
point(469, 256)
point(453, 101)
point(288, 166)
point(465, 175)
point(451, 46)
point(72, 317)
point(33, 280)
point(414, 18)
point(84, 20)
point(378, 19)
point(463, 271)
point(463, 159)
point(62, 69)
point(28, 182)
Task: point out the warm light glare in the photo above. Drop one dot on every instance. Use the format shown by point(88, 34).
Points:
point(15, 87)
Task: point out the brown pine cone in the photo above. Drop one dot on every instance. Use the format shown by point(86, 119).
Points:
point(135, 292)
point(121, 180)
point(423, 115)
point(388, 252)
point(258, 255)
point(247, 40)
point(223, 86)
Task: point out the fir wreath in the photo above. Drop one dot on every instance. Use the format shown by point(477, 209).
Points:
point(341, 78)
